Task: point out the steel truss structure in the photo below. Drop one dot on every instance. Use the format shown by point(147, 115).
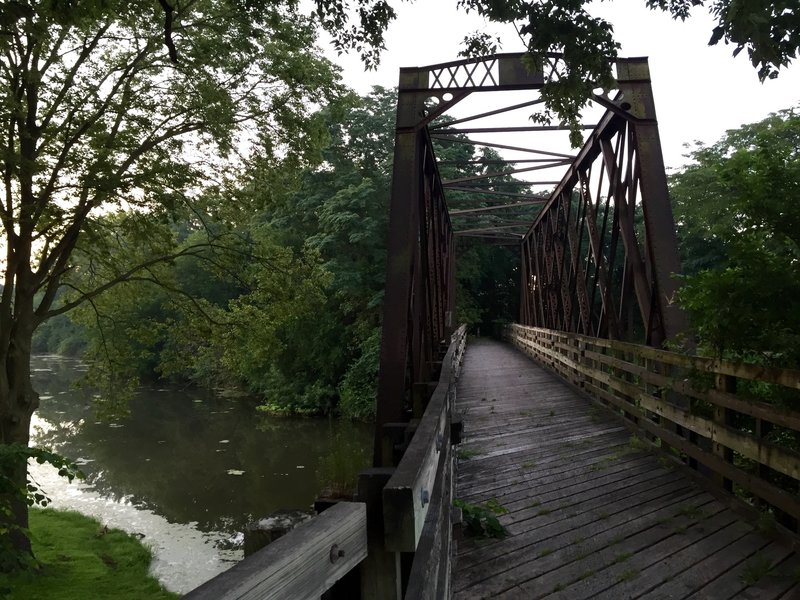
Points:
point(598, 253)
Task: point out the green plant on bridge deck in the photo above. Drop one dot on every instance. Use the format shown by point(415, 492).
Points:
point(481, 519)
point(755, 570)
point(468, 453)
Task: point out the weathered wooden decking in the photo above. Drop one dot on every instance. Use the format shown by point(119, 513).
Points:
point(590, 514)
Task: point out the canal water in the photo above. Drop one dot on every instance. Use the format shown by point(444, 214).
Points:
point(186, 469)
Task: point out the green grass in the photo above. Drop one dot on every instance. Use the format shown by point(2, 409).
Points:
point(467, 453)
point(692, 512)
point(621, 557)
point(80, 559)
point(628, 575)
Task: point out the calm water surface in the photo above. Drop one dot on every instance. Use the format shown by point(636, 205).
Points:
point(186, 470)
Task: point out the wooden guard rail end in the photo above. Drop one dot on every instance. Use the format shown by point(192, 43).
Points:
point(301, 565)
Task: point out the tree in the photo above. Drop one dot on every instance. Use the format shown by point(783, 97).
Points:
point(341, 212)
point(586, 49)
point(738, 222)
point(96, 119)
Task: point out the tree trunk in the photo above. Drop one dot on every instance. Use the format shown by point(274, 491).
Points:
point(18, 401)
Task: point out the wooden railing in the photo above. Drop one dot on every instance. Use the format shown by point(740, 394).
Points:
point(701, 409)
point(303, 564)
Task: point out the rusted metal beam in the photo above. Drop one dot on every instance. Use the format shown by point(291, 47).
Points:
point(483, 209)
point(519, 129)
point(490, 113)
point(500, 146)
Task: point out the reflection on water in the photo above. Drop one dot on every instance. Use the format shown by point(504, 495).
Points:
point(186, 468)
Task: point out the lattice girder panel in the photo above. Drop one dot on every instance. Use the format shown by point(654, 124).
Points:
point(606, 236)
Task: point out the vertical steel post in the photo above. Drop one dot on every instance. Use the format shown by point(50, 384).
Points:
point(633, 75)
point(401, 250)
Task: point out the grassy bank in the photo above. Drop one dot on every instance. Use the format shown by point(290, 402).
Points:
point(81, 559)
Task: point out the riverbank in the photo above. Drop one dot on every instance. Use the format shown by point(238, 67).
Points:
point(82, 559)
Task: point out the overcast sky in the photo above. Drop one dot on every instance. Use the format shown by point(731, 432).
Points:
point(700, 91)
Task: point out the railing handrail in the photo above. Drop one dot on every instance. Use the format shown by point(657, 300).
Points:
point(646, 386)
point(303, 564)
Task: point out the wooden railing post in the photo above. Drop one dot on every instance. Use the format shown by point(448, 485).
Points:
point(722, 416)
point(380, 571)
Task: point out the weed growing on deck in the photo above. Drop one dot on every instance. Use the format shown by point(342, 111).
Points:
point(621, 557)
point(467, 453)
point(617, 539)
point(692, 512)
point(755, 570)
point(481, 519)
point(766, 523)
point(583, 553)
point(637, 444)
point(628, 575)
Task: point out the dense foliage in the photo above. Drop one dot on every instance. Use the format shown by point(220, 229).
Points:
point(739, 224)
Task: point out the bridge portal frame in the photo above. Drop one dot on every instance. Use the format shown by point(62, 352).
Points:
point(419, 302)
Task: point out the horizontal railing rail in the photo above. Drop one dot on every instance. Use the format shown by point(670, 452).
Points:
point(705, 409)
point(303, 564)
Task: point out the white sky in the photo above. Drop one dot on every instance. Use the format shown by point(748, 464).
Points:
point(700, 91)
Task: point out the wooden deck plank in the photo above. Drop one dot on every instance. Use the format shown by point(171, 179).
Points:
point(733, 584)
point(589, 513)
